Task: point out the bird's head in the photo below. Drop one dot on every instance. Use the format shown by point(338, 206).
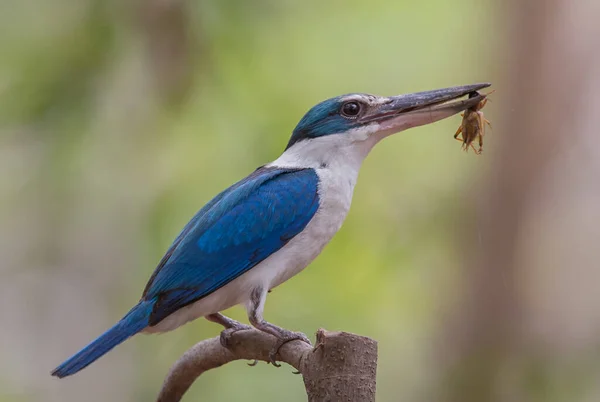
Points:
point(360, 117)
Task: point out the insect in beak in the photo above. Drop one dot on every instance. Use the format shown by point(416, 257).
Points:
point(472, 127)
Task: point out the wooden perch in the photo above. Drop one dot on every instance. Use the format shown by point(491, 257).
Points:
point(341, 367)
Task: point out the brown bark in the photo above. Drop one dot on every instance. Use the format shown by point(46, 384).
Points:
point(341, 367)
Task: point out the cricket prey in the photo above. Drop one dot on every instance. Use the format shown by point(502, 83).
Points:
point(472, 127)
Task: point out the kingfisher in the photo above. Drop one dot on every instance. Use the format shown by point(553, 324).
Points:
point(269, 226)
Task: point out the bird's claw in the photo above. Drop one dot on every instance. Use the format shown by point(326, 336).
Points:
point(227, 333)
point(288, 337)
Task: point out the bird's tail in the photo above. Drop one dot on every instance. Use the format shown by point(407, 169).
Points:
point(135, 321)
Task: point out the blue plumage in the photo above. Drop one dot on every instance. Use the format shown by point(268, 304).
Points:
point(135, 321)
point(323, 119)
point(236, 230)
point(247, 223)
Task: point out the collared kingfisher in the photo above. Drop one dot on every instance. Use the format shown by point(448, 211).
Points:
point(269, 226)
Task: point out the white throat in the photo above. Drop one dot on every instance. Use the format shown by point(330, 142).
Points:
point(345, 151)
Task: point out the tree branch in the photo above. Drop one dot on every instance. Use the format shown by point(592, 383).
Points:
point(341, 364)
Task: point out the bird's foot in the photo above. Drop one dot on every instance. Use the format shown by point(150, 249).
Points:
point(227, 333)
point(231, 327)
point(284, 337)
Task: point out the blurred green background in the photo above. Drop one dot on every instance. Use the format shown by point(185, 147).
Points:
point(120, 119)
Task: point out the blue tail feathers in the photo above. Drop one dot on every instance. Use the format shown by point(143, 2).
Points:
point(135, 321)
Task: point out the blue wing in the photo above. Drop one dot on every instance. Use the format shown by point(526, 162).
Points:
point(235, 231)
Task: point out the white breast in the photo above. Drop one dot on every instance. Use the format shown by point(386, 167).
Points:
point(336, 162)
point(335, 196)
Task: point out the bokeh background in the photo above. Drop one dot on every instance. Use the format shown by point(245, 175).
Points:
point(479, 276)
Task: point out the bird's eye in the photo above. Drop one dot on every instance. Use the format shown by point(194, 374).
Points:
point(350, 109)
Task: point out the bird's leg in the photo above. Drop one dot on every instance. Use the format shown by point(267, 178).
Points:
point(255, 307)
point(231, 326)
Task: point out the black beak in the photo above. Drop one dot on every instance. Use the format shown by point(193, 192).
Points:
point(404, 111)
point(419, 100)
